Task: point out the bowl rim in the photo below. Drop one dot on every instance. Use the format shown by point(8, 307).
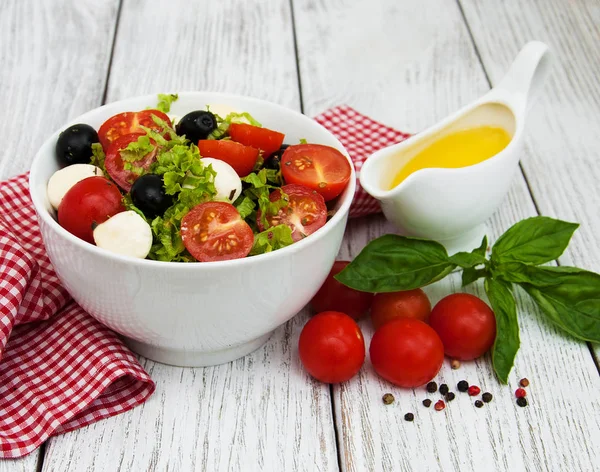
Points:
point(47, 218)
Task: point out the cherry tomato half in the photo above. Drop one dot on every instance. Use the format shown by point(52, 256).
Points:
point(406, 352)
point(128, 123)
point(88, 203)
point(214, 231)
point(306, 211)
point(331, 347)
point(241, 158)
point(116, 167)
point(337, 297)
point(321, 168)
point(393, 305)
point(466, 325)
point(267, 140)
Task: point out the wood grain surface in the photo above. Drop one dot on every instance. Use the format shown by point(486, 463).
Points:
point(408, 64)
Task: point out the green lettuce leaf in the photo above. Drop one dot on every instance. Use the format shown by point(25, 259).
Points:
point(272, 239)
point(223, 123)
point(165, 101)
point(98, 158)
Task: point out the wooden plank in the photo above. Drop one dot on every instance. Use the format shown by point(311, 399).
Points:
point(561, 155)
point(54, 61)
point(410, 65)
point(258, 413)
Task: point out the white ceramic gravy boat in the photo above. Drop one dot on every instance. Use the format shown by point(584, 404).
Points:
point(450, 205)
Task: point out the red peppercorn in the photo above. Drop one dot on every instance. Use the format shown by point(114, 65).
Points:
point(520, 393)
point(474, 390)
point(439, 405)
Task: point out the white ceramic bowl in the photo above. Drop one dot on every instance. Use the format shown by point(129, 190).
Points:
point(193, 314)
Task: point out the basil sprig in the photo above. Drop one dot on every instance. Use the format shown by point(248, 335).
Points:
point(569, 297)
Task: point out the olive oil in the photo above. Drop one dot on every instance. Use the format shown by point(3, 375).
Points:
point(459, 149)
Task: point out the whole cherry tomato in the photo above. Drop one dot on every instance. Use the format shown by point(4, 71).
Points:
point(465, 324)
point(406, 352)
point(337, 297)
point(331, 347)
point(393, 305)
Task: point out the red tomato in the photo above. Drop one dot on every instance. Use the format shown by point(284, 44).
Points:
point(88, 203)
point(241, 158)
point(321, 168)
point(128, 123)
point(466, 325)
point(393, 305)
point(331, 347)
point(337, 297)
point(306, 211)
point(406, 352)
point(264, 139)
point(115, 166)
point(214, 231)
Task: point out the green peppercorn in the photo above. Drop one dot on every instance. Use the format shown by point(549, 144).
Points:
point(388, 398)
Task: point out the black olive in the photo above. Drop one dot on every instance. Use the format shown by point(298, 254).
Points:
point(74, 145)
point(274, 161)
point(148, 194)
point(196, 125)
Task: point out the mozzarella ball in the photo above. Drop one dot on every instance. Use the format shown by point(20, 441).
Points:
point(62, 180)
point(227, 182)
point(125, 233)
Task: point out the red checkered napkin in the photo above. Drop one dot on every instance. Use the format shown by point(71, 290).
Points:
point(361, 136)
point(65, 370)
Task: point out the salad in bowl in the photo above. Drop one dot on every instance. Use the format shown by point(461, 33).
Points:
point(194, 231)
point(213, 185)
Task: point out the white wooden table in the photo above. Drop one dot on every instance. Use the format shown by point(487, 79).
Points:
point(405, 63)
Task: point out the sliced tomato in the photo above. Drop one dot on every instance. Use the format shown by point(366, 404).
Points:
point(305, 213)
point(115, 166)
point(241, 158)
point(128, 123)
point(321, 168)
point(267, 140)
point(214, 231)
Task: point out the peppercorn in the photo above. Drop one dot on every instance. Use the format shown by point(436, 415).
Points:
point(444, 389)
point(474, 390)
point(455, 364)
point(478, 403)
point(439, 405)
point(388, 398)
point(462, 386)
point(427, 403)
point(524, 382)
point(522, 401)
point(487, 397)
point(450, 396)
point(409, 417)
point(431, 387)
point(520, 393)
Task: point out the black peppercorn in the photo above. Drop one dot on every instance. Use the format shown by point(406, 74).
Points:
point(444, 389)
point(427, 403)
point(431, 387)
point(522, 401)
point(463, 386)
point(478, 403)
point(409, 417)
point(450, 396)
point(487, 397)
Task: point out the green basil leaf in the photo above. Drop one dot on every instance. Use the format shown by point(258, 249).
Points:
point(507, 340)
point(392, 263)
point(518, 273)
point(467, 260)
point(533, 241)
point(471, 274)
point(482, 249)
point(573, 304)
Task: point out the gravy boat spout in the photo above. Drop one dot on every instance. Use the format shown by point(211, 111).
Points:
point(451, 204)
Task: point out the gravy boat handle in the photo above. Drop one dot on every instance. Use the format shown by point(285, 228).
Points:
point(521, 85)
